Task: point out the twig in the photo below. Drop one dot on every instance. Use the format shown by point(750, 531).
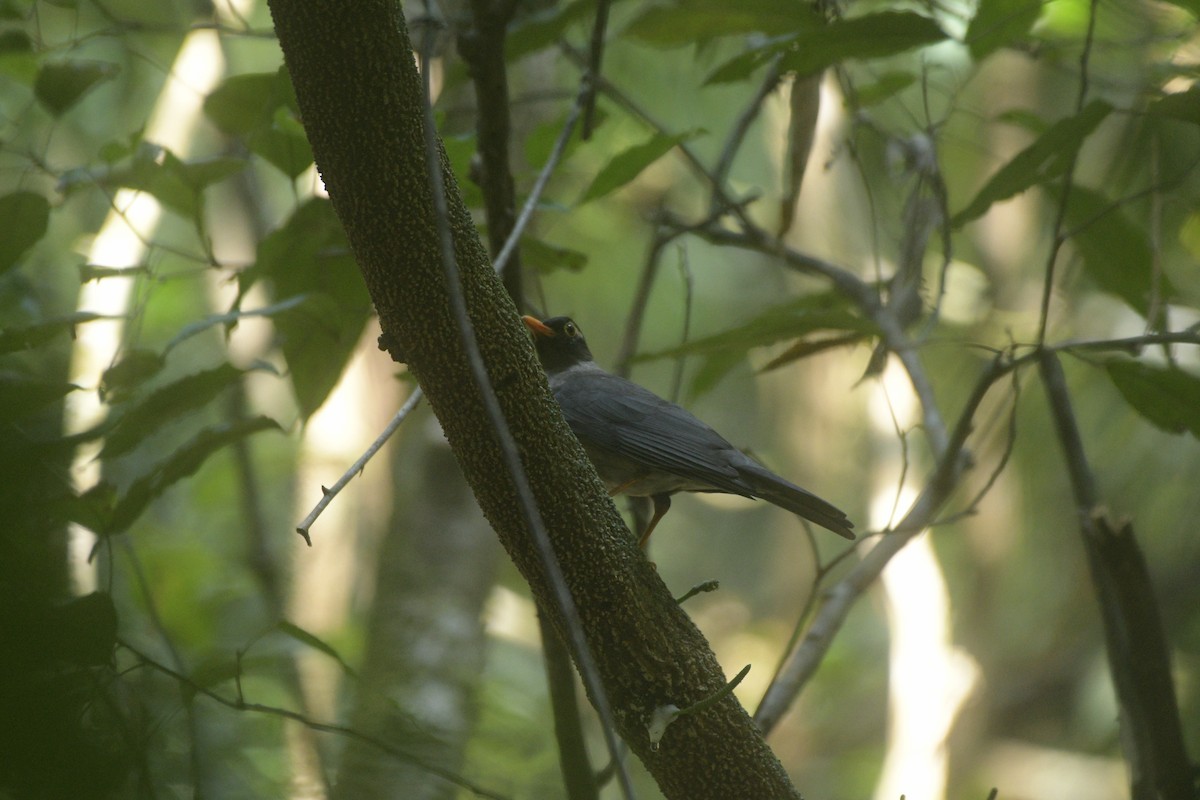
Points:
point(741, 126)
point(1068, 180)
point(829, 619)
point(595, 57)
point(561, 594)
point(637, 307)
point(240, 704)
point(535, 194)
point(357, 467)
point(685, 271)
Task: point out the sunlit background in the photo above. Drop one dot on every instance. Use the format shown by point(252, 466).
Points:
point(977, 661)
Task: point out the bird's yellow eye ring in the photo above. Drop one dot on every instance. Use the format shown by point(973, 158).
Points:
point(569, 329)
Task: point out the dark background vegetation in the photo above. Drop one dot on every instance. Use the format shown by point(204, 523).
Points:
point(997, 195)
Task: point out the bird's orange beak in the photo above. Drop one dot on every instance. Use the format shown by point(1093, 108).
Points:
point(534, 324)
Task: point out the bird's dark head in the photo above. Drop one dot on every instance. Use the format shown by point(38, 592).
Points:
point(559, 342)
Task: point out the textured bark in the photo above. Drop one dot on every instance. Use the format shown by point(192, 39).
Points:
point(360, 98)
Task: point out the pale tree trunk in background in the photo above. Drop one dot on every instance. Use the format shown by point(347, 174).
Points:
point(425, 638)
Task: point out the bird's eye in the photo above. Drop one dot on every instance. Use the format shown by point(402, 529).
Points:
point(569, 329)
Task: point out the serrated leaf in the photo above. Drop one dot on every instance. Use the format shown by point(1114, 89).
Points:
point(1167, 397)
point(627, 165)
point(25, 216)
point(1044, 160)
point(30, 336)
point(998, 23)
point(62, 84)
point(688, 22)
point(308, 639)
point(887, 33)
point(310, 256)
point(1116, 253)
point(136, 366)
point(182, 463)
point(165, 404)
point(1183, 106)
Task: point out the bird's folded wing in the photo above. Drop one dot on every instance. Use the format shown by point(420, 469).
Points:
point(618, 416)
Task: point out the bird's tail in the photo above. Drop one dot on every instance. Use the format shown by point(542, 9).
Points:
point(777, 491)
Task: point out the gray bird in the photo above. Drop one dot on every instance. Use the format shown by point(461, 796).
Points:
point(645, 446)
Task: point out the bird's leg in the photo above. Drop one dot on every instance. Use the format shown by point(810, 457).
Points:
point(662, 504)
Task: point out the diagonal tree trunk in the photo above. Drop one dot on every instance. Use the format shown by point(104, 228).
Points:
point(360, 97)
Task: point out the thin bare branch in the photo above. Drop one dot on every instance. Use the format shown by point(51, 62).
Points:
point(358, 466)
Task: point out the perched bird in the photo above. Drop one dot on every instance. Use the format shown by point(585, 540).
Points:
point(645, 446)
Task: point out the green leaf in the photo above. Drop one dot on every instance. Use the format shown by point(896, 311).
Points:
point(1116, 253)
point(165, 404)
point(1167, 397)
point(261, 108)
point(243, 103)
point(547, 258)
point(283, 144)
point(25, 338)
point(312, 640)
point(17, 57)
point(627, 165)
point(688, 22)
point(534, 32)
point(1044, 160)
point(1191, 6)
point(21, 395)
point(136, 367)
point(879, 35)
point(997, 23)
point(1183, 106)
point(62, 84)
point(888, 85)
point(25, 217)
point(820, 312)
point(204, 172)
point(184, 461)
point(724, 351)
point(309, 256)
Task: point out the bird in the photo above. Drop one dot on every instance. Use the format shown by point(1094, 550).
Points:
point(643, 445)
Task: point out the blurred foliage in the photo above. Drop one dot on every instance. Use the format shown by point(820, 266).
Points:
point(195, 453)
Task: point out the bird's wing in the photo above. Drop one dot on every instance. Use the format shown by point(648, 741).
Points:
point(615, 415)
